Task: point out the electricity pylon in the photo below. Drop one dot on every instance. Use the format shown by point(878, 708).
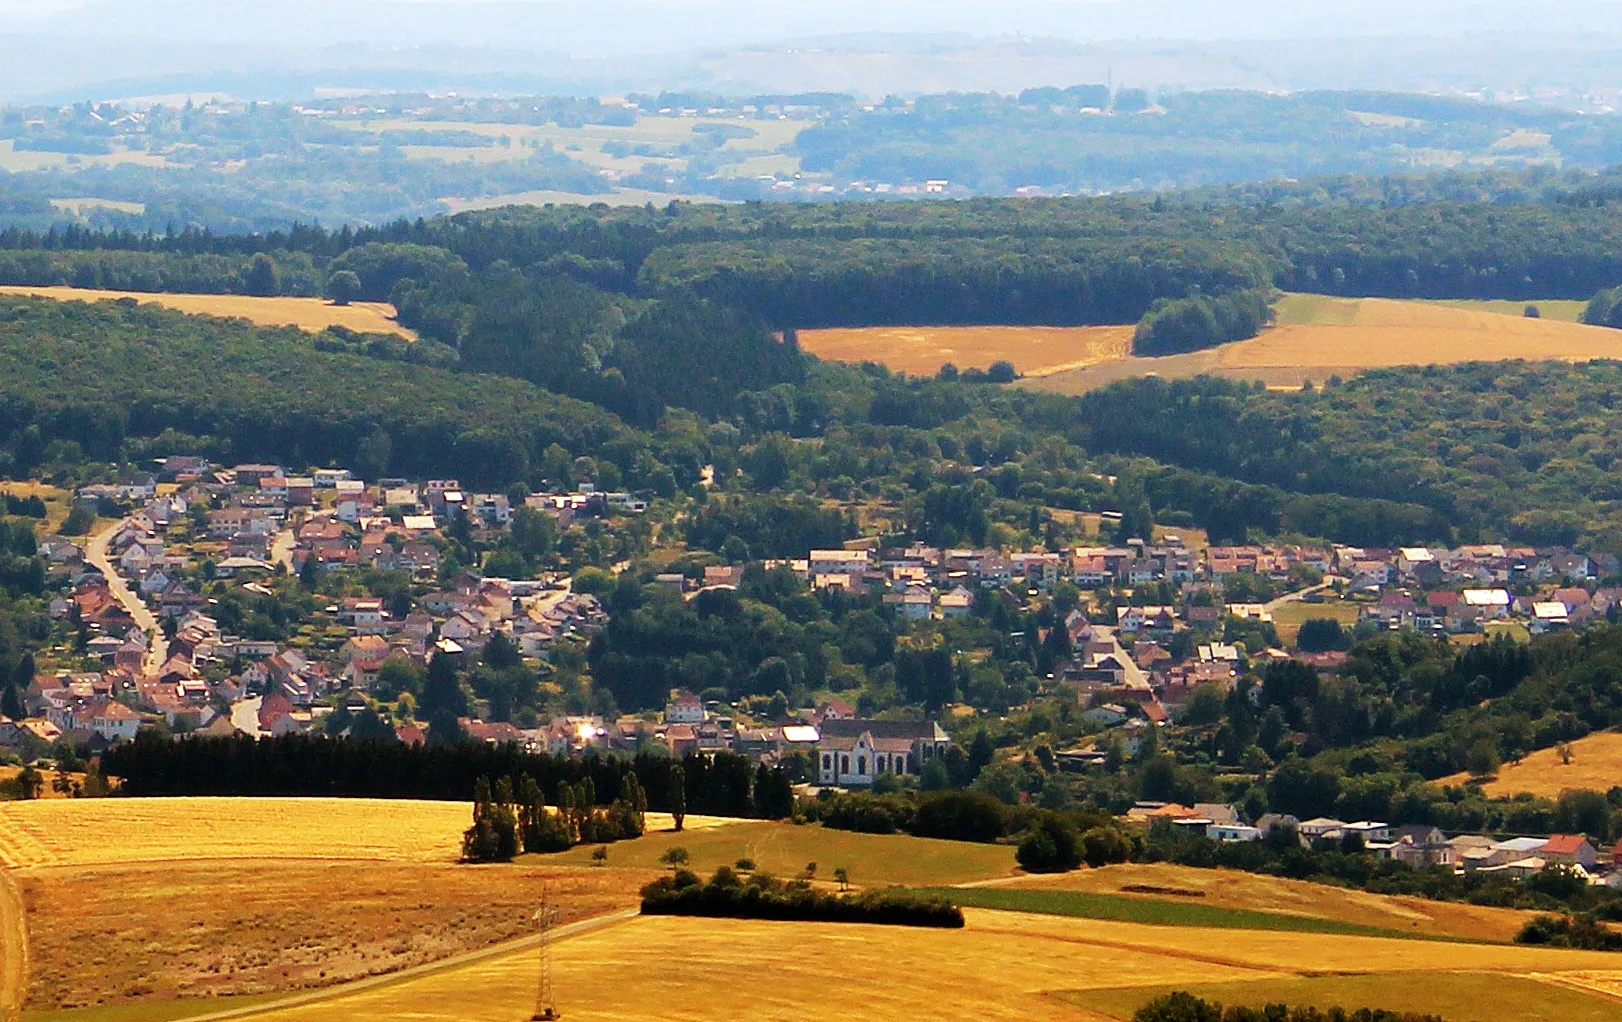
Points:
point(546, 917)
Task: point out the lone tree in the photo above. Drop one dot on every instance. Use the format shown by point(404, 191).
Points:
point(343, 287)
point(678, 797)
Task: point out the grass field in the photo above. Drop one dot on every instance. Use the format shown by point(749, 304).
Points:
point(129, 933)
point(1231, 889)
point(58, 502)
point(1003, 965)
point(1476, 997)
point(617, 197)
point(1317, 337)
point(1036, 351)
point(1155, 911)
point(784, 849)
point(311, 314)
point(1596, 764)
point(1288, 617)
point(1562, 309)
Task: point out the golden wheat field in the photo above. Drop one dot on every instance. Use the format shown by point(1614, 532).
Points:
point(1003, 965)
point(103, 831)
point(309, 314)
point(1222, 888)
point(1596, 764)
point(921, 351)
point(1317, 337)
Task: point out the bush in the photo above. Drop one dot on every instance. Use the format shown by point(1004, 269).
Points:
point(1051, 847)
point(1201, 321)
point(761, 897)
point(1185, 1007)
point(1583, 932)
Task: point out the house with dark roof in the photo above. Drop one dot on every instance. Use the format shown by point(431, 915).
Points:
point(856, 751)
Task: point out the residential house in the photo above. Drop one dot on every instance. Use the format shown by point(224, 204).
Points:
point(1569, 850)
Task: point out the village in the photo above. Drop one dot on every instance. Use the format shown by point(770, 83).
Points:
point(155, 649)
point(144, 597)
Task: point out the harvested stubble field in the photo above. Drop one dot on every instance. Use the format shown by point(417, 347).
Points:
point(96, 832)
point(1596, 765)
point(309, 314)
point(1234, 890)
point(1461, 996)
point(144, 932)
point(1035, 351)
point(1003, 965)
point(1317, 337)
point(784, 849)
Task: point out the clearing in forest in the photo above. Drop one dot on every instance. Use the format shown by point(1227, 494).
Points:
point(309, 314)
point(1596, 765)
point(922, 350)
point(1317, 337)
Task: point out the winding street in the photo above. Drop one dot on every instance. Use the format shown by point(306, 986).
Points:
point(95, 553)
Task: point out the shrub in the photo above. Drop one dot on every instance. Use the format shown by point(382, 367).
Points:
point(1581, 931)
point(1052, 846)
point(1185, 1007)
point(763, 897)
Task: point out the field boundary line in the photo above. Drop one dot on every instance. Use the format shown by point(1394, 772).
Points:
point(13, 949)
point(576, 929)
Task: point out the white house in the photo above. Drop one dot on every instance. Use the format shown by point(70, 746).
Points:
point(855, 752)
point(114, 721)
point(686, 708)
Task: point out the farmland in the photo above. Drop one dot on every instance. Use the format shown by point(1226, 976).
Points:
point(1596, 764)
point(1463, 995)
point(1317, 337)
point(1035, 351)
point(96, 832)
point(681, 968)
point(135, 933)
point(309, 314)
point(1252, 892)
point(784, 849)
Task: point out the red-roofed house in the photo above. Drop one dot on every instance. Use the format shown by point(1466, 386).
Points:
point(1570, 850)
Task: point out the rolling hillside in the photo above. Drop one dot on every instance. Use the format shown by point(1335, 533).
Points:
point(1317, 337)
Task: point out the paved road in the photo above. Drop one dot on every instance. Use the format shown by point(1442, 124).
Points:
point(1295, 597)
point(95, 552)
point(1132, 674)
point(281, 549)
point(584, 926)
point(245, 715)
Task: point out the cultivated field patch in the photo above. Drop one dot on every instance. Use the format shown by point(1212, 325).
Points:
point(1478, 997)
point(1317, 337)
point(145, 932)
point(1596, 764)
point(1002, 965)
point(921, 351)
point(1253, 892)
point(784, 850)
point(309, 314)
point(95, 832)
